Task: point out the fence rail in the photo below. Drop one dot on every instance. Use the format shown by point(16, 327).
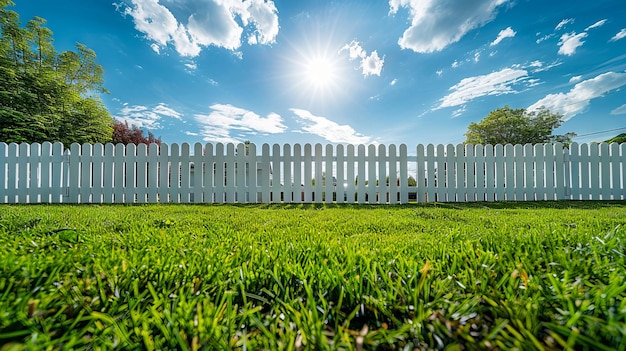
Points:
point(218, 173)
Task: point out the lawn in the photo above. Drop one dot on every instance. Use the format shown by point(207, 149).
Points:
point(548, 275)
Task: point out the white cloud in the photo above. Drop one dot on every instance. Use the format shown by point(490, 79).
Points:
point(575, 79)
point(355, 50)
point(439, 72)
point(219, 23)
point(596, 25)
point(329, 130)
point(620, 110)
point(621, 34)
point(215, 25)
point(145, 117)
point(393, 82)
point(155, 47)
point(570, 42)
point(563, 23)
point(163, 110)
point(539, 66)
point(436, 24)
point(455, 64)
point(505, 33)
point(370, 64)
point(476, 56)
point(578, 98)
point(496, 83)
point(218, 124)
point(458, 112)
point(264, 15)
point(544, 38)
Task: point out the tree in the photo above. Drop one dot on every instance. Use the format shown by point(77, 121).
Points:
point(45, 96)
point(517, 126)
point(617, 139)
point(125, 134)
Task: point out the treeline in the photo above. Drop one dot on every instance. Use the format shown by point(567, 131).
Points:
point(45, 95)
point(51, 96)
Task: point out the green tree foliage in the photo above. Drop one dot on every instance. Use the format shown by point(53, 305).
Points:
point(46, 96)
point(517, 126)
point(618, 139)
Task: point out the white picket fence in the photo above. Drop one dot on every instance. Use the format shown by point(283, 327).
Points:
point(50, 173)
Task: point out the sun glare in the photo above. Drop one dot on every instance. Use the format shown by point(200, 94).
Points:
point(320, 72)
point(317, 71)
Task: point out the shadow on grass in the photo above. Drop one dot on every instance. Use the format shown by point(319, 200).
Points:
point(563, 204)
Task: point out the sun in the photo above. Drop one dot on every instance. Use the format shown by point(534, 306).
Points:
point(320, 72)
point(315, 71)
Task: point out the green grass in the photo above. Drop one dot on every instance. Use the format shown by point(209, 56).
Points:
point(313, 277)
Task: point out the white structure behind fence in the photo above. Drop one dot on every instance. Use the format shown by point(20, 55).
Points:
point(50, 173)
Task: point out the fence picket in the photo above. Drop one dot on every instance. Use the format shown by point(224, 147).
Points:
point(470, 173)
point(561, 174)
point(605, 171)
point(616, 177)
point(404, 175)
point(350, 175)
point(153, 173)
point(6, 166)
point(277, 174)
point(460, 169)
point(141, 177)
point(33, 172)
point(297, 174)
point(241, 174)
point(481, 186)
point(341, 181)
point(97, 183)
point(318, 171)
point(253, 170)
point(288, 186)
point(45, 173)
point(392, 185)
point(594, 177)
point(519, 190)
point(165, 172)
point(329, 180)
point(622, 166)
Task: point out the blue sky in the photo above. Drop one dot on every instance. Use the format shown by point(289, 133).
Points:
point(360, 72)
